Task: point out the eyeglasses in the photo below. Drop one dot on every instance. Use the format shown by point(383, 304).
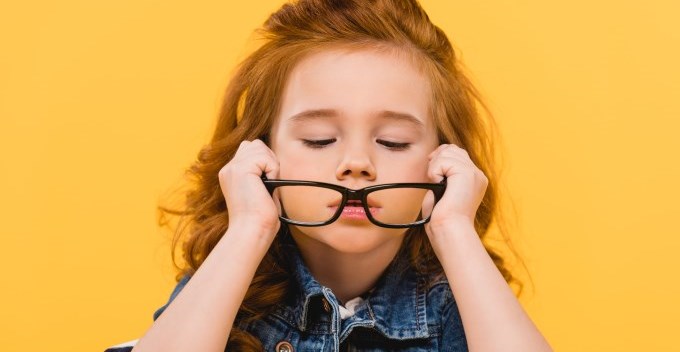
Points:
point(392, 205)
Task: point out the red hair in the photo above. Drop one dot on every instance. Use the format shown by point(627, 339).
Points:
point(251, 104)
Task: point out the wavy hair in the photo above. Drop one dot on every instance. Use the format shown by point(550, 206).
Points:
point(250, 106)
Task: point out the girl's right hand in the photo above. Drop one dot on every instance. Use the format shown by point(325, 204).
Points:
point(249, 204)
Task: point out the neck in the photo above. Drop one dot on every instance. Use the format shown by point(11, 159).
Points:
point(348, 275)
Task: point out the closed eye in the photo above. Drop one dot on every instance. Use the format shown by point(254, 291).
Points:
point(322, 143)
point(394, 145)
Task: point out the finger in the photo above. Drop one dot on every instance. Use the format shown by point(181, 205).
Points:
point(242, 146)
point(254, 158)
point(436, 151)
point(456, 153)
point(445, 166)
point(272, 167)
point(261, 145)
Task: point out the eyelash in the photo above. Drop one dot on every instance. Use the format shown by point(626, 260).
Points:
point(322, 143)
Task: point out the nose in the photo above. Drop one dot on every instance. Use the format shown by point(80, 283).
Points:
point(356, 163)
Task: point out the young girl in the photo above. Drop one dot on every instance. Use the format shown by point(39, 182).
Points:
point(353, 94)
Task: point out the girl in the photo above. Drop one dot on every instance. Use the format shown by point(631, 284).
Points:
point(351, 94)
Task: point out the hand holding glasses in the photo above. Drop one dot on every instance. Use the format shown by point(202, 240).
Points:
point(392, 205)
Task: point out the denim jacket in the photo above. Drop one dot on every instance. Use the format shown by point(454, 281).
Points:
point(401, 313)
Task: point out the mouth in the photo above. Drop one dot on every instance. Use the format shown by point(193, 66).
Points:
point(354, 210)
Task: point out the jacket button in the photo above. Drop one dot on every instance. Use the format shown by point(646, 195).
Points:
point(284, 346)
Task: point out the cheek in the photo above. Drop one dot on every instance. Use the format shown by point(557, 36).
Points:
point(301, 165)
point(411, 169)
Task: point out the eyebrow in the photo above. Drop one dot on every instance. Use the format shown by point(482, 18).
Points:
point(332, 113)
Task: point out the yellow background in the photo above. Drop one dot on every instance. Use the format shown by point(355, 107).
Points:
point(104, 103)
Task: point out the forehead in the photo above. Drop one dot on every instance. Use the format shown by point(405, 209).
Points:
point(356, 83)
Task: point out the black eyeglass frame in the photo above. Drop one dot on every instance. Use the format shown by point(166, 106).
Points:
point(358, 194)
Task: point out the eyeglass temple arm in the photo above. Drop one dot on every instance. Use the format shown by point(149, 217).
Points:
point(270, 188)
point(439, 192)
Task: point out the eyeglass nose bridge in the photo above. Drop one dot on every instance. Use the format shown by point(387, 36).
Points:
point(355, 194)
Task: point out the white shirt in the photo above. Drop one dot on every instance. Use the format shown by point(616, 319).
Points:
point(349, 308)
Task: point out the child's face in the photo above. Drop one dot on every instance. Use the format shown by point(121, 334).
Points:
point(375, 128)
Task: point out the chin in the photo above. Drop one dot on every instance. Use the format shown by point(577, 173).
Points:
point(351, 239)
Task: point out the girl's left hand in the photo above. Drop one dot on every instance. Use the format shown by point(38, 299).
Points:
point(465, 188)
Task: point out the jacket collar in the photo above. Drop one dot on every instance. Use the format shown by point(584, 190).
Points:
point(396, 307)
